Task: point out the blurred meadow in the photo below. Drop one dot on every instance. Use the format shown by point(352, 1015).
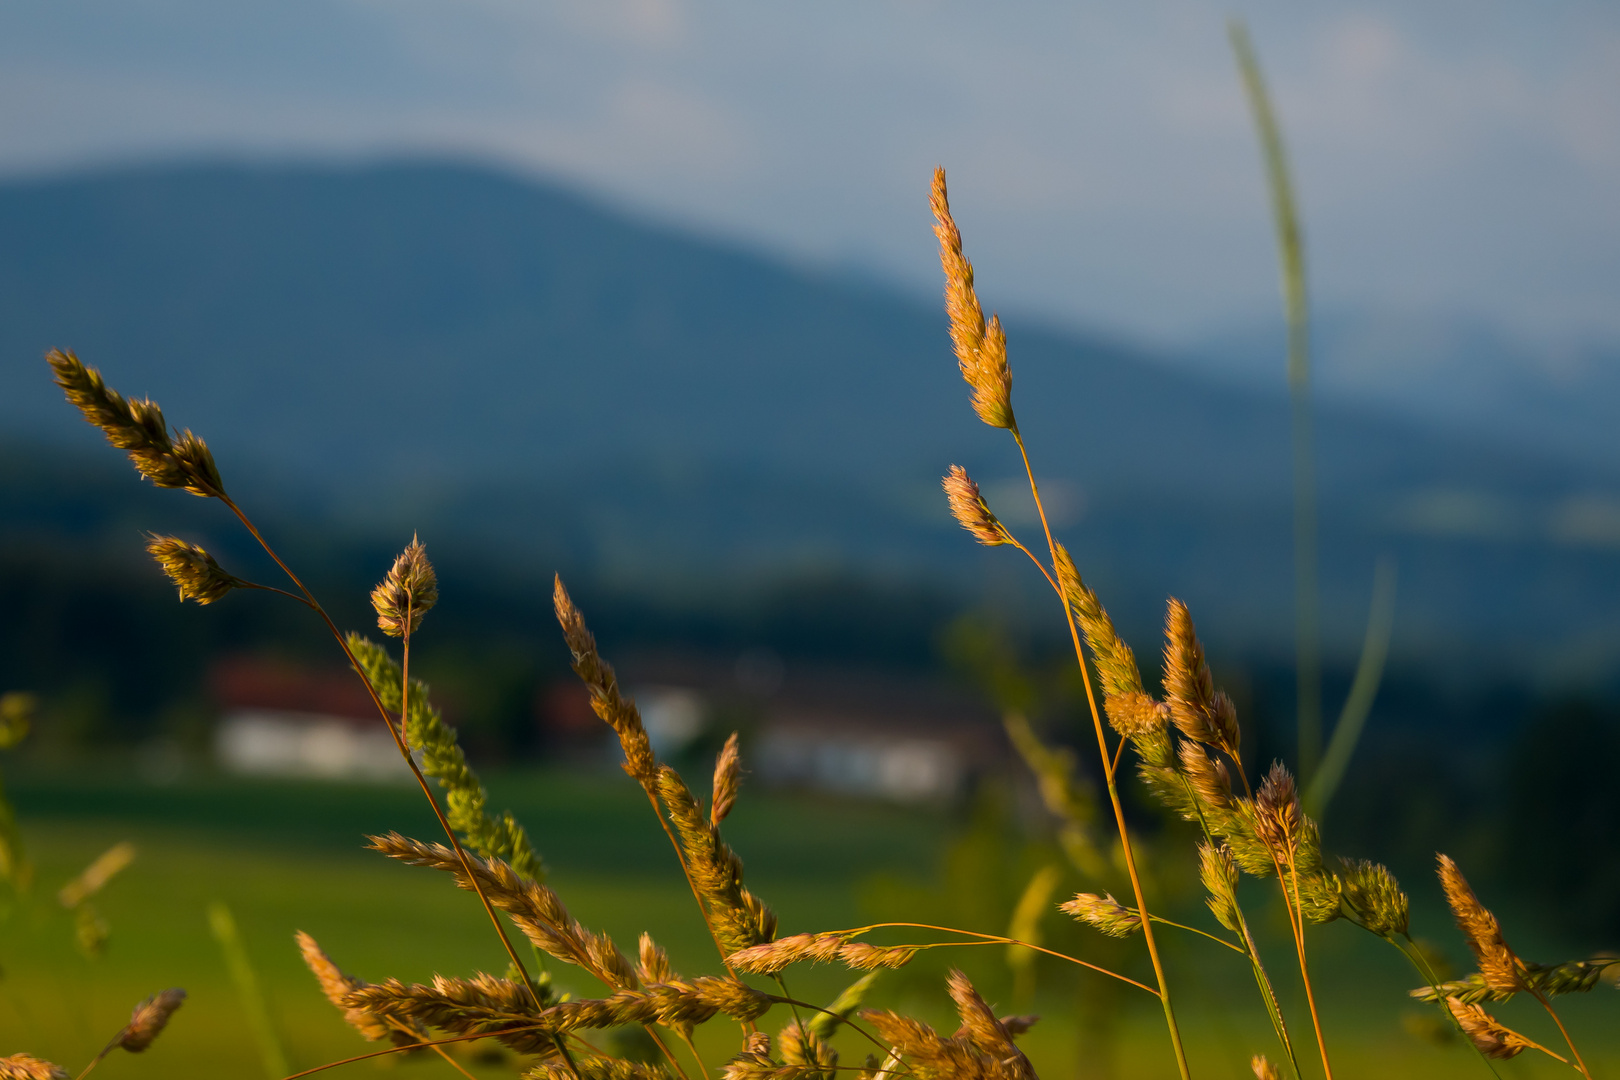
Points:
point(643, 293)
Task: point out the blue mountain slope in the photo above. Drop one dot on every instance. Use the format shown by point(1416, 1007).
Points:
point(418, 341)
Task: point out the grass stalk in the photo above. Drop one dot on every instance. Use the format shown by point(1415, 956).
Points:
point(1291, 256)
point(1297, 920)
point(1108, 776)
point(1363, 689)
point(223, 926)
point(1579, 1063)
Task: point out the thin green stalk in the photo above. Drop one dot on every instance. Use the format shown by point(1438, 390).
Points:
point(1108, 775)
point(1364, 688)
point(237, 962)
point(1415, 956)
point(1291, 255)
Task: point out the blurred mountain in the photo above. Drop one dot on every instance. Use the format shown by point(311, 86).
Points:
point(551, 380)
point(1455, 371)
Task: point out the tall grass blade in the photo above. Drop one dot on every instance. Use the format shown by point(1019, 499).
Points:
point(1363, 691)
point(1291, 256)
point(223, 926)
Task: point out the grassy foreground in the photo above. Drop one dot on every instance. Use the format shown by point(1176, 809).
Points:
point(286, 856)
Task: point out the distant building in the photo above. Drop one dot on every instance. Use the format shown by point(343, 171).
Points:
point(280, 719)
point(866, 734)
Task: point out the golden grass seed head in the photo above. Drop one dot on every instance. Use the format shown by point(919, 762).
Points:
point(727, 779)
point(1219, 874)
point(970, 509)
point(1375, 898)
point(1199, 711)
point(863, 957)
point(194, 572)
point(774, 956)
point(981, 350)
point(1208, 777)
point(106, 866)
point(1263, 1068)
point(337, 984)
point(615, 710)
point(1116, 664)
point(149, 1019)
point(1491, 1038)
point(799, 1045)
point(29, 1067)
point(598, 1068)
point(17, 711)
point(138, 429)
point(408, 593)
point(1278, 817)
point(1103, 912)
point(1497, 963)
point(982, 1030)
point(654, 961)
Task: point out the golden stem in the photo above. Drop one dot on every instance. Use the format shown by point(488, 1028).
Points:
point(1108, 776)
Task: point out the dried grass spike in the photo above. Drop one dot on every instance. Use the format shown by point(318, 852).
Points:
point(1103, 912)
point(1492, 1039)
point(981, 349)
point(1207, 776)
point(93, 878)
point(192, 569)
point(617, 711)
point(337, 985)
point(654, 961)
point(1263, 1068)
point(138, 429)
point(863, 957)
point(149, 1019)
point(1116, 664)
point(775, 956)
point(727, 778)
point(408, 593)
point(970, 509)
point(29, 1067)
point(1197, 709)
point(1503, 971)
point(1278, 819)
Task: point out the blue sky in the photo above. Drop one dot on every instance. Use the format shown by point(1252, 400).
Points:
point(1453, 155)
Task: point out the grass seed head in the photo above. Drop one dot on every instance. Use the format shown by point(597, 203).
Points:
point(338, 984)
point(1375, 898)
point(192, 569)
point(408, 593)
point(1197, 709)
point(138, 429)
point(1501, 969)
point(863, 957)
point(1210, 781)
point(1491, 1038)
point(106, 866)
point(971, 511)
point(727, 779)
point(981, 349)
point(1105, 913)
point(29, 1067)
point(1278, 817)
point(1263, 1068)
point(654, 961)
point(1219, 873)
point(149, 1019)
point(1116, 664)
point(774, 956)
point(616, 710)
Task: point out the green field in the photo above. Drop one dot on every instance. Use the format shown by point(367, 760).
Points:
point(287, 856)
